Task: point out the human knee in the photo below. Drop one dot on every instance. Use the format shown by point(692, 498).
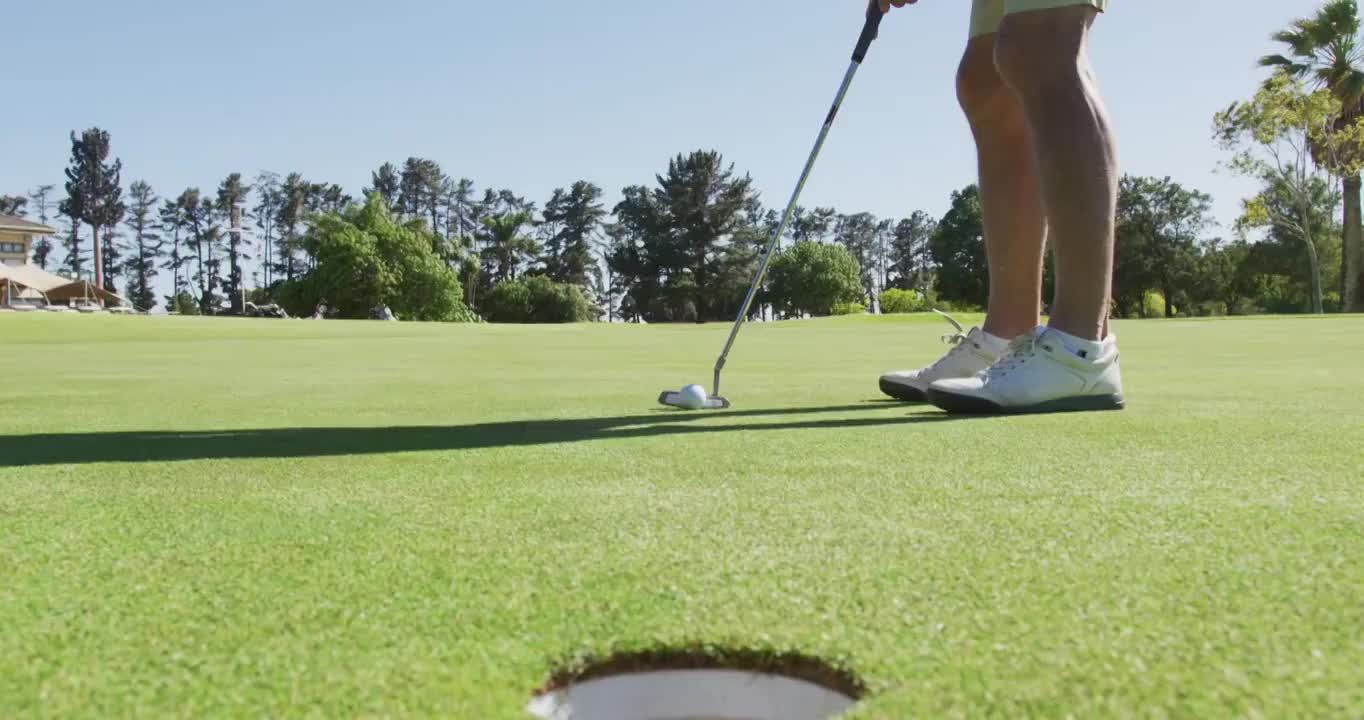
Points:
point(980, 89)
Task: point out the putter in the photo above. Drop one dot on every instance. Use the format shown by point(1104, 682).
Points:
point(869, 32)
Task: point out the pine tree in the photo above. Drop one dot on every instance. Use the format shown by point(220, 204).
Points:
point(958, 249)
point(461, 209)
point(575, 218)
point(689, 243)
point(885, 232)
point(173, 221)
point(13, 205)
point(552, 233)
point(196, 214)
point(94, 195)
point(141, 267)
point(910, 263)
point(231, 203)
point(112, 252)
point(421, 190)
point(42, 247)
point(387, 183)
point(293, 207)
point(812, 226)
point(75, 258)
point(266, 212)
point(857, 233)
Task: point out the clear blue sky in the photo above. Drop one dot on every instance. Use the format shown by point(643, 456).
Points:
point(534, 95)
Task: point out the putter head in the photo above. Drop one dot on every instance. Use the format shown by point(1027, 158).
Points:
point(673, 398)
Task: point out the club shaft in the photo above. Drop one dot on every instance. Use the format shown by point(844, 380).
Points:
point(785, 220)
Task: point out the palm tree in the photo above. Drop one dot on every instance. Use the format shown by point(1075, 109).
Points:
point(1326, 48)
point(507, 246)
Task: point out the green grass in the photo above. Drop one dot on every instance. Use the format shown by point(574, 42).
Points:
point(264, 519)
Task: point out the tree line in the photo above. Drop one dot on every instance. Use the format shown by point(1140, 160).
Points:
point(684, 247)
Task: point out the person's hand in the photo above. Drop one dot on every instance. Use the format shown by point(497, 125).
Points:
point(885, 4)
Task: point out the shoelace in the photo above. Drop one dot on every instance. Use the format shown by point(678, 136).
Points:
point(1020, 349)
point(957, 339)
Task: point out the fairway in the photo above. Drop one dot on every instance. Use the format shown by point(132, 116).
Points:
point(218, 517)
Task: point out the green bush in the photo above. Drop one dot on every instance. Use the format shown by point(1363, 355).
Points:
point(853, 308)
point(894, 301)
point(813, 278)
point(676, 301)
point(507, 302)
point(183, 304)
point(949, 306)
point(537, 300)
point(365, 258)
point(1153, 305)
point(1211, 308)
point(299, 298)
point(1330, 302)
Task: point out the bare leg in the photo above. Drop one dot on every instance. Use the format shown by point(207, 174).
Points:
point(1010, 193)
point(1042, 55)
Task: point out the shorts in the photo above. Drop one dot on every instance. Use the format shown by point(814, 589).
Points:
point(986, 15)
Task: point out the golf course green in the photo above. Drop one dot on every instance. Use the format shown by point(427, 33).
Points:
point(217, 517)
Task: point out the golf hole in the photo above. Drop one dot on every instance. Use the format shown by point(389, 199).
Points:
point(693, 685)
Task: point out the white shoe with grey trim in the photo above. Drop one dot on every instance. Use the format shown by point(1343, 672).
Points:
point(1040, 374)
point(972, 352)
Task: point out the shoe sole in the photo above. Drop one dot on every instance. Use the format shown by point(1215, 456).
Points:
point(970, 405)
point(903, 393)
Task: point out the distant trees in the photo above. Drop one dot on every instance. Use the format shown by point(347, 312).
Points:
point(421, 191)
point(462, 220)
point(13, 205)
point(858, 234)
point(538, 299)
point(1325, 49)
point(1272, 138)
point(74, 260)
point(42, 247)
point(811, 225)
point(269, 198)
point(1297, 258)
point(289, 216)
point(957, 247)
point(364, 257)
point(685, 247)
point(386, 182)
point(141, 267)
point(508, 245)
point(232, 194)
point(194, 219)
point(813, 278)
point(910, 258)
point(94, 194)
point(574, 219)
point(1159, 226)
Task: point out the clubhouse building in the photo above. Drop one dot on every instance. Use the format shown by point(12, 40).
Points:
point(26, 287)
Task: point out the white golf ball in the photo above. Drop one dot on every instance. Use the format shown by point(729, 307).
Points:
point(693, 397)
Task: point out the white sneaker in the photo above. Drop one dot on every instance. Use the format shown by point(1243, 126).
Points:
point(972, 352)
point(1040, 374)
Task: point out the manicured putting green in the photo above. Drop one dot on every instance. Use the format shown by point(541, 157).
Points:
point(253, 518)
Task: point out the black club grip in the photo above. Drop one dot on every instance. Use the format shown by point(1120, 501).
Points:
point(869, 31)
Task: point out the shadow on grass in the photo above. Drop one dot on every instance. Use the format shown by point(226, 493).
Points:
point(162, 446)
